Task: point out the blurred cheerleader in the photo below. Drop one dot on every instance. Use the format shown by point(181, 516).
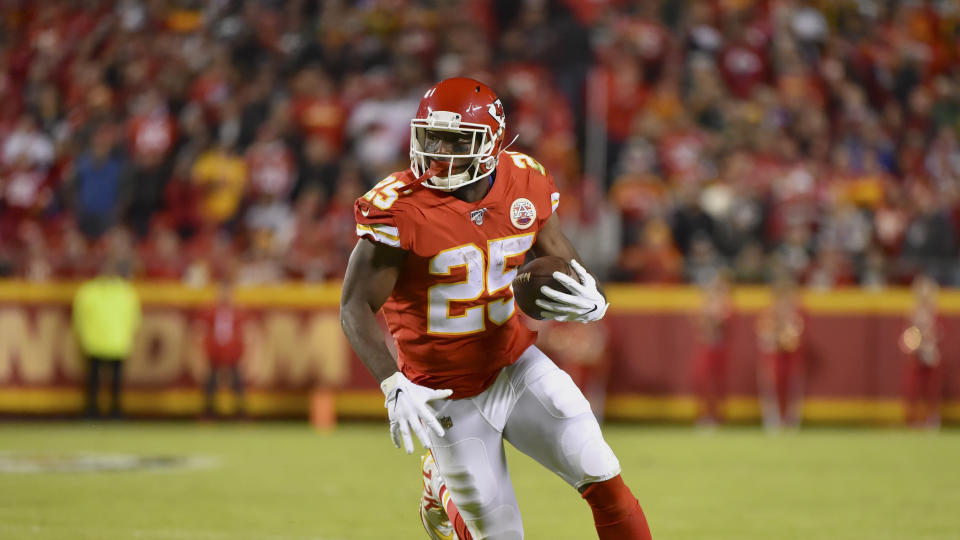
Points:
point(780, 336)
point(920, 341)
point(710, 357)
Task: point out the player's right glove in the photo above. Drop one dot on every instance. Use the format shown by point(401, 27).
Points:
point(408, 406)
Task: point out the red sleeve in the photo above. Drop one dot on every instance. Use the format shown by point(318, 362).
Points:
point(545, 196)
point(380, 218)
point(376, 224)
point(554, 195)
point(543, 192)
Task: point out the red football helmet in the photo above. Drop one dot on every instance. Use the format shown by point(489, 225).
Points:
point(463, 106)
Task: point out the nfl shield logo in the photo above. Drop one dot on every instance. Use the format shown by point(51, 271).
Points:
point(476, 216)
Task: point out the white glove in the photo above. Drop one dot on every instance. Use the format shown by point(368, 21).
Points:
point(584, 303)
point(407, 405)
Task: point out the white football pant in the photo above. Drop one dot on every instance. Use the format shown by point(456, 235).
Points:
point(536, 406)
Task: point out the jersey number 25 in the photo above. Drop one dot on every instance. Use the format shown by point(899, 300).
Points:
point(485, 276)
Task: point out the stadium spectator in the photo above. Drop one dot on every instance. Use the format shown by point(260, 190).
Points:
point(702, 264)
point(28, 145)
point(270, 164)
point(261, 263)
point(211, 254)
point(106, 315)
point(304, 260)
point(181, 201)
point(929, 244)
point(220, 175)
point(335, 230)
point(151, 135)
point(161, 255)
point(99, 187)
point(26, 191)
point(653, 259)
point(36, 255)
point(320, 112)
point(750, 266)
point(318, 168)
point(74, 257)
point(379, 123)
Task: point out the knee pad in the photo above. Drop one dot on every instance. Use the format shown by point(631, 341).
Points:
point(559, 395)
point(585, 456)
point(584, 448)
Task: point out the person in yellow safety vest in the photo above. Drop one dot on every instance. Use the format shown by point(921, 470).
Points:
point(106, 315)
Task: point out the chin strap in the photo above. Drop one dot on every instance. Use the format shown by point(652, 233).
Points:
point(421, 182)
point(434, 170)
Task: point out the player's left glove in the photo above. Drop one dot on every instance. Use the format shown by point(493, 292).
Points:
point(584, 303)
point(407, 404)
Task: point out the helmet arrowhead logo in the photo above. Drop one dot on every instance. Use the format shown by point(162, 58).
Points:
point(496, 111)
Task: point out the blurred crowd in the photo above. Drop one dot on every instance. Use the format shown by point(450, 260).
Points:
point(752, 138)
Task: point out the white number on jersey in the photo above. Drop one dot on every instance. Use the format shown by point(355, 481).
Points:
point(523, 161)
point(481, 276)
point(384, 194)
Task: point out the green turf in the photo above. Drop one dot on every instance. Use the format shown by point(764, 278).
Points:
point(286, 482)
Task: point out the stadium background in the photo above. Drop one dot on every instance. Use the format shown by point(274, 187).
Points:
point(197, 140)
point(762, 139)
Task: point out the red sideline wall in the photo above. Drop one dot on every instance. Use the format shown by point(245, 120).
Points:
point(294, 346)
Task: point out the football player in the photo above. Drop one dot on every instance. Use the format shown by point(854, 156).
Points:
point(440, 244)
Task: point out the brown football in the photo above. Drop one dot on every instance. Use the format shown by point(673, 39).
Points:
point(536, 274)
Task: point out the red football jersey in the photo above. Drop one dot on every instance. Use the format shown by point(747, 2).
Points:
point(452, 311)
point(223, 338)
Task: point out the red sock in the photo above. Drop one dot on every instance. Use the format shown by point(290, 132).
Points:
point(454, 515)
point(616, 512)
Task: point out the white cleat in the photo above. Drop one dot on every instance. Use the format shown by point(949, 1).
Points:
point(432, 512)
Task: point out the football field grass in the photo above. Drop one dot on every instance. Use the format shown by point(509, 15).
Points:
point(284, 481)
